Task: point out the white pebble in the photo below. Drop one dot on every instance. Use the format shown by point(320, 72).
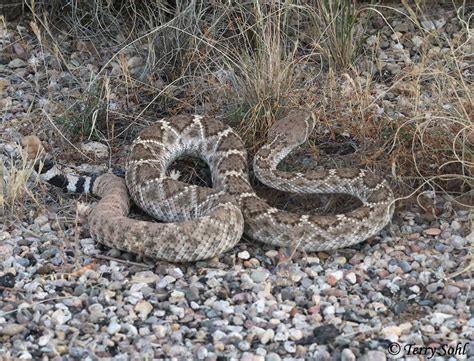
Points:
point(289, 346)
point(160, 331)
point(113, 328)
point(351, 278)
point(295, 334)
point(243, 255)
point(267, 336)
point(329, 311)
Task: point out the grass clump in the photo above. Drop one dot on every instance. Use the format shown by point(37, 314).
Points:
point(15, 185)
point(338, 30)
point(87, 117)
point(264, 70)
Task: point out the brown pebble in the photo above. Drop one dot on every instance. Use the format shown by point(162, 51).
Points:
point(432, 231)
point(415, 248)
point(333, 292)
point(45, 269)
point(323, 255)
point(12, 329)
point(413, 236)
point(219, 346)
point(294, 311)
point(383, 273)
point(32, 145)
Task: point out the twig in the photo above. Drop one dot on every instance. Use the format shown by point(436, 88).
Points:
point(109, 258)
point(33, 304)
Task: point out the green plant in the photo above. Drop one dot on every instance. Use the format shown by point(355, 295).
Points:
point(338, 31)
point(86, 116)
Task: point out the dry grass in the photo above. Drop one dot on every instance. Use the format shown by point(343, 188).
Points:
point(264, 71)
point(338, 31)
point(247, 60)
point(16, 186)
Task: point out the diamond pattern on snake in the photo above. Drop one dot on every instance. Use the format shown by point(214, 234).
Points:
point(199, 222)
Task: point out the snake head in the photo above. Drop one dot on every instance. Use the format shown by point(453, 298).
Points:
point(295, 128)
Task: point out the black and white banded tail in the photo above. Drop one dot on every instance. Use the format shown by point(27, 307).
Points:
point(71, 183)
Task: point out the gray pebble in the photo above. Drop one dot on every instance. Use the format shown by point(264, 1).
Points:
point(258, 276)
point(433, 287)
point(347, 355)
point(405, 266)
point(272, 356)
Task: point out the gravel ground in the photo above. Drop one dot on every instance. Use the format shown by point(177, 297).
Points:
point(65, 297)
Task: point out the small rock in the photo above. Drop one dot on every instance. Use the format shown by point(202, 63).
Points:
point(405, 266)
point(17, 63)
point(267, 336)
point(160, 331)
point(243, 255)
point(41, 220)
point(177, 294)
point(458, 242)
point(143, 308)
point(178, 311)
point(322, 355)
point(433, 287)
point(43, 340)
point(272, 356)
point(439, 23)
point(347, 355)
point(432, 231)
point(342, 341)
point(329, 311)
point(289, 346)
point(135, 61)
point(428, 329)
point(455, 225)
point(113, 328)
point(145, 277)
point(12, 329)
point(96, 149)
point(374, 356)
point(258, 276)
point(333, 277)
point(428, 25)
point(351, 277)
point(397, 46)
point(295, 334)
point(77, 352)
point(451, 291)
point(244, 345)
point(340, 260)
point(58, 317)
point(391, 330)
point(371, 40)
point(325, 334)
point(176, 272)
point(201, 353)
point(417, 41)
point(165, 281)
point(438, 318)
point(7, 280)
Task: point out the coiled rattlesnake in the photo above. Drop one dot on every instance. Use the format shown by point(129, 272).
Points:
point(205, 222)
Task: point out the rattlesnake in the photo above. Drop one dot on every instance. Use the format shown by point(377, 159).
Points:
point(204, 222)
